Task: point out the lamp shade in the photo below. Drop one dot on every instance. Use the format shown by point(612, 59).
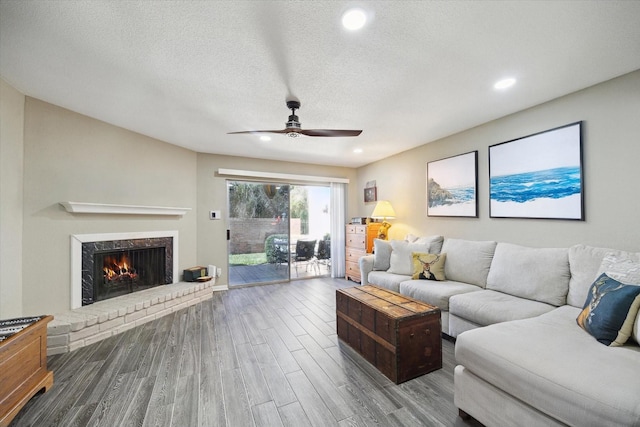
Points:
point(383, 210)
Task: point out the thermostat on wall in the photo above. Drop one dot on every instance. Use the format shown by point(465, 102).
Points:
point(215, 215)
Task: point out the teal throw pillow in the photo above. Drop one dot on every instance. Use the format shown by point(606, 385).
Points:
point(610, 310)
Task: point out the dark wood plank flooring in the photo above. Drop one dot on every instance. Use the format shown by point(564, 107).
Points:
point(254, 356)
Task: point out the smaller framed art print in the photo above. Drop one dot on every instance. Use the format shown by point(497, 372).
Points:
point(370, 194)
point(452, 186)
point(538, 176)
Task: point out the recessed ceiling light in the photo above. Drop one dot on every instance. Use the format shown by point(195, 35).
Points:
point(504, 83)
point(265, 138)
point(357, 150)
point(354, 19)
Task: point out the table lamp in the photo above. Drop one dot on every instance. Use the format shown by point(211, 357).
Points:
point(384, 211)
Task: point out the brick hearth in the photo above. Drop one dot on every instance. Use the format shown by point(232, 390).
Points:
point(77, 328)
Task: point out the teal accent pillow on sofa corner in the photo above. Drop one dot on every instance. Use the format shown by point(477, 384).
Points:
point(610, 310)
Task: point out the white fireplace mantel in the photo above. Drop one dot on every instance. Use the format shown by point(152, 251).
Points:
point(102, 208)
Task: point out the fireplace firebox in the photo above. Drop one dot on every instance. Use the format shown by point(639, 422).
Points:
point(126, 271)
point(114, 268)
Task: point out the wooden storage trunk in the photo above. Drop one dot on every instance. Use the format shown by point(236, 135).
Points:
point(23, 368)
point(398, 335)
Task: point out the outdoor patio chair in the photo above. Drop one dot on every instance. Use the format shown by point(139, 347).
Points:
point(323, 254)
point(305, 253)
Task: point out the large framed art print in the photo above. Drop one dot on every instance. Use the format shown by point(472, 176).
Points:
point(538, 176)
point(452, 186)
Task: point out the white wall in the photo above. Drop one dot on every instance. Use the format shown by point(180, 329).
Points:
point(11, 167)
point(611, 147)
point(71, 157)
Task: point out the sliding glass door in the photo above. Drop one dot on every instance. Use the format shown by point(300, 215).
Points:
point(258, 232)
point(277, 232)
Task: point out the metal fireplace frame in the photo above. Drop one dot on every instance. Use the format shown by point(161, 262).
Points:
point(77, 241)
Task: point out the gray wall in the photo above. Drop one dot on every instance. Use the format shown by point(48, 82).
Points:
point(11, 168)
point(611, 145)
point(71, 157)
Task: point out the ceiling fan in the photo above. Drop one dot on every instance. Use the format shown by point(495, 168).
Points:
point(294, 128)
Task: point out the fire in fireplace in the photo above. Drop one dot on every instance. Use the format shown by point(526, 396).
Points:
point(122, 272)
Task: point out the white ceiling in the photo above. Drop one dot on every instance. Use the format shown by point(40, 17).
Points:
point(188, 72)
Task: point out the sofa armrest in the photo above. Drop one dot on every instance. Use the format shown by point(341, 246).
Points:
point(366, 266)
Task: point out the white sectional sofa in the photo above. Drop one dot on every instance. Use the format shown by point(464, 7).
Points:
point(522, 358)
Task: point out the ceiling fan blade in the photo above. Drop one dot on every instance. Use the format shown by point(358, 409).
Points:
point(260, 131)
point(330, 132)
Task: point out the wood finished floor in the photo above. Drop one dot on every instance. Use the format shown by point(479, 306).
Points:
point(263, 355)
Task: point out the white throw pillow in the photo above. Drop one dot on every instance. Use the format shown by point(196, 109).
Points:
point(623, 268)
point(401, 261)
point(381, 254)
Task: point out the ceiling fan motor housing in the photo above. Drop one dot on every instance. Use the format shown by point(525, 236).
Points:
point(293, 122)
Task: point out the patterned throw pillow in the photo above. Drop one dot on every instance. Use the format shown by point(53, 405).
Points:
point(622, 268)
point(428, 266)
point(610, 310)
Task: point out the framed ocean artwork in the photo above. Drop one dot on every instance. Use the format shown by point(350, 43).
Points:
point(538, 176)
point(452, 186)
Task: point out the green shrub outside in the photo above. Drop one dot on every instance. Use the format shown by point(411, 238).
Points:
point(269, 247)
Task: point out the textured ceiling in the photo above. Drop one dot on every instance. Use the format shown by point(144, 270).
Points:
point(188, 72)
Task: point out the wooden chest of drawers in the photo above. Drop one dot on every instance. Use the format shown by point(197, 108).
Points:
point(398, 335)
point(359, 242)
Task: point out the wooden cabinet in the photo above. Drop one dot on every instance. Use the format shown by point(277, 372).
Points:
point(398, 335)
point(23, 366)
point(359, 242)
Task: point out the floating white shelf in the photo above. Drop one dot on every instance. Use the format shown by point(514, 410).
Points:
point(101, 208)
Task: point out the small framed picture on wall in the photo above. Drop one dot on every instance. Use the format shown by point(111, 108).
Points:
point(370, 194)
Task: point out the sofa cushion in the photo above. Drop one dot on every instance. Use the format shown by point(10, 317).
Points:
point(468, 261)
point(539, 274)
point(610, 310)
point(435, 293)
point(549, 363)
point(487, 307)
point(401, 261)
point(387, 280)
point(428, 266)
point(585, 263)
point(434, 242)
point(381, 254)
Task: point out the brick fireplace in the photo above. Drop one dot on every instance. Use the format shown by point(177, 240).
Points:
point(83, 325)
